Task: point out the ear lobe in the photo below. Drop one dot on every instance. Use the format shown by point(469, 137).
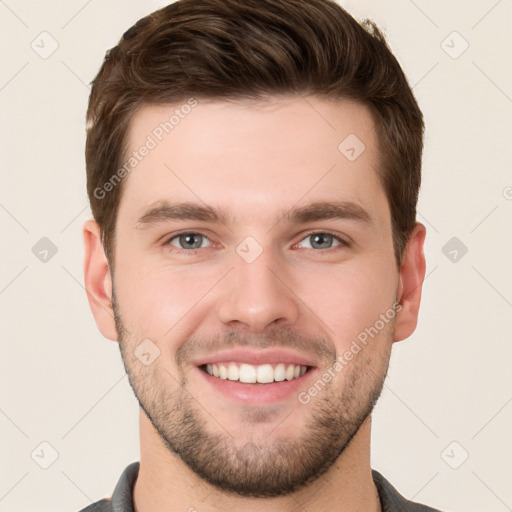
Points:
point(412, 274)
point(98, 281)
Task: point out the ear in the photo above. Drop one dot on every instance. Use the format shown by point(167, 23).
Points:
point(98, 282)
point(412, 274)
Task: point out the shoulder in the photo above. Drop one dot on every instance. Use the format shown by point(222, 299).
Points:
point(122, 497)
point(104, 505)
point(392, 500)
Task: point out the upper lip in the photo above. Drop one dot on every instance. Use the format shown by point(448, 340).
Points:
point(256, 357)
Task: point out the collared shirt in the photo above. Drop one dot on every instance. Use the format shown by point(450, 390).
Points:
point(122, 498)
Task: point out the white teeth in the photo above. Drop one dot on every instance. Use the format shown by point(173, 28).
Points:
point(263, 374)
point(232, 372)
point(247, 373)
point(279, 372)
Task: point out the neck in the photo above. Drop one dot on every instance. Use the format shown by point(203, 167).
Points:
point(165, 480)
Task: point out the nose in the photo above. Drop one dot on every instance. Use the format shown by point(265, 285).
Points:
point(258, 295)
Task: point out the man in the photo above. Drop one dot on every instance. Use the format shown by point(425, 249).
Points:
point(253, 169)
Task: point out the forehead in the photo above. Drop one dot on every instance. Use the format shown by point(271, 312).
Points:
point(252, 158)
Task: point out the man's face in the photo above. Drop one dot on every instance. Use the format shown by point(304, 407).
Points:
point(299, 263)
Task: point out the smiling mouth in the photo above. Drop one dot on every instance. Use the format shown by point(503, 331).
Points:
point(255, 374)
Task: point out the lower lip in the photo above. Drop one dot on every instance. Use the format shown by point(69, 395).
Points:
point(258, 393)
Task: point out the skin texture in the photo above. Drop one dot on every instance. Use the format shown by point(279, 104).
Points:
point(254, 161)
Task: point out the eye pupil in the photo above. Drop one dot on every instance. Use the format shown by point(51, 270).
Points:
point(191, 241)
point(321, 240)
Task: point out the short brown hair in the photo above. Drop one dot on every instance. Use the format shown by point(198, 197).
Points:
point(250, 49)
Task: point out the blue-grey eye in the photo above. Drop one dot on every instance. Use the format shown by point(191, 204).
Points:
point(189, 241)
point(322, 241)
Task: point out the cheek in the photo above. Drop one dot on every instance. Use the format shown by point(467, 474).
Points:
point(349, 298)
point(156, 298)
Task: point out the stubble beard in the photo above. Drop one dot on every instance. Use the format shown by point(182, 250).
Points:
point(258, 466)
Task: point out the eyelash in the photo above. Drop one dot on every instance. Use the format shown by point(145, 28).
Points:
point(343, 243)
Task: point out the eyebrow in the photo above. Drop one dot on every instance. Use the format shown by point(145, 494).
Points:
point(163, 211)
point(323, 210)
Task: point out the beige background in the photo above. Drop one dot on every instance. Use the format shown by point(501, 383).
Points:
point(64, 384)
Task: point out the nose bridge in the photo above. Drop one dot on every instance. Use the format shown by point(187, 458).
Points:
point(256, 294)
